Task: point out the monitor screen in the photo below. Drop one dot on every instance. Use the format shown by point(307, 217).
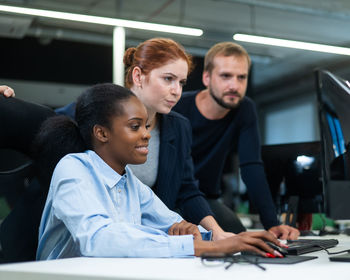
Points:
point(294, 170)
point(333, 95)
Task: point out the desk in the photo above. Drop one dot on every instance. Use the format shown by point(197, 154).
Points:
point(187, 268)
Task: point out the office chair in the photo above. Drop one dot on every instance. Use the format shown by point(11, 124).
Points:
point(15, 170)
point(19, 123)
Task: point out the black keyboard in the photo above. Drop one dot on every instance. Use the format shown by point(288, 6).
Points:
point(303, 246)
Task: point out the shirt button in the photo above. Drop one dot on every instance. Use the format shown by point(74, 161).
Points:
point(119, 191)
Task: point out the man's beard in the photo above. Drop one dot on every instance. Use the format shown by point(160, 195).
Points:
point(223, 104)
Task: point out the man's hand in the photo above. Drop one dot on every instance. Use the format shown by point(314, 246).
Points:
point(183, 228)
point(285, 232)
point(7, 91)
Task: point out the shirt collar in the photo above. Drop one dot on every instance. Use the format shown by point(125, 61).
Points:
point(108, 174)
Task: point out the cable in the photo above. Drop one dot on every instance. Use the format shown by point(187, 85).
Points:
point(333, 253)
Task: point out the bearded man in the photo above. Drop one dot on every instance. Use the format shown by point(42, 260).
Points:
point(224, 121)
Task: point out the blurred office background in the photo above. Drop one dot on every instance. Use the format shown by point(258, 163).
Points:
point(50, 61)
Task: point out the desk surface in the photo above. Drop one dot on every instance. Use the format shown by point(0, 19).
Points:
point(187, 268)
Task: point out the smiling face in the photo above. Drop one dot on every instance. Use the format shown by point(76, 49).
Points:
point(127, 139)
point(227, 82)
point(161, 89)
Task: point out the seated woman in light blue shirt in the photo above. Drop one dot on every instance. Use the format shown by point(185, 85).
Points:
point(96, 207)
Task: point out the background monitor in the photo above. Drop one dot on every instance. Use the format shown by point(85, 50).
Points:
point(333, 95)
point(298, 167)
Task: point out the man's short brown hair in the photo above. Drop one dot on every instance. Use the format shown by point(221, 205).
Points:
point(224, 49)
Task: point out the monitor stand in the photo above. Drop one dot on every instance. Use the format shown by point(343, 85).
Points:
point(304, 221)
point(292, 211)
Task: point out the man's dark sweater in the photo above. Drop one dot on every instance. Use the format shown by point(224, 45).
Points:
point(214, 140)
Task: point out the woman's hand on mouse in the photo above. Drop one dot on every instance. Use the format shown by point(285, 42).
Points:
point(245, 241)
point(267, 237)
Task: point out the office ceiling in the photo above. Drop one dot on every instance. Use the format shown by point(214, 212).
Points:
point(319, 21)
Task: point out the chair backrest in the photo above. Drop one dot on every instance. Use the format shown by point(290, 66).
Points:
point(16, 170)
point(19, 123)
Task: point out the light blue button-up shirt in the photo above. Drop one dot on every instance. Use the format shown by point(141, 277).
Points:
point(93, 211)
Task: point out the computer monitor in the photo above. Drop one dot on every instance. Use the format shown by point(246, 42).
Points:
point(333, 95)
point(293, 170)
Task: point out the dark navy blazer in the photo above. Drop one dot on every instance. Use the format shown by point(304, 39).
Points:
point(176, 185)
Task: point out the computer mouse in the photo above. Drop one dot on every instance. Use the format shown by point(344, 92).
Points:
point(282, 251)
